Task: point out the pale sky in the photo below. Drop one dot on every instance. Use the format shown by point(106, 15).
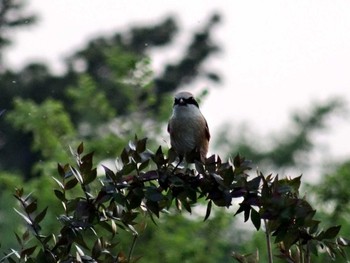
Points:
point(277, 55)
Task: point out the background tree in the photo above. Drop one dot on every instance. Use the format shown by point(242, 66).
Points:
point(107, 94)
point(12, 16)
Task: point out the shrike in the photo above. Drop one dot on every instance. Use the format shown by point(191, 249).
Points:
point(188, 128)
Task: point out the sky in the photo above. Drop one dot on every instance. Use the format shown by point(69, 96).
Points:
point(277, 57)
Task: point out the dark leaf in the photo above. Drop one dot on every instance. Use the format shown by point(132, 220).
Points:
point(109, 173)
point(331, 232)
point(97, 249)
point(90, 177)
point(255, 217)
point(153, 194)
point(40, 216)
point(144, 165)
point(60, 195)
point(128, 168)
point(141, 145)
point(80, 148)
point(153, 207)
point(70, 184)
point(19, 240)
point(207, 214)
point(31, 207)
point(124, 156)
point(28, 251)
point(60, 170)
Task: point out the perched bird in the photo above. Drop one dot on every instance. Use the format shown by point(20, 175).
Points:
point(188, 129)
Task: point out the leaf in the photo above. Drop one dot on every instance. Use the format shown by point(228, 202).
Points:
point(331, 232)
point(109, 173)
point(255, 217)
point(143, 165)
point(141, 145)
point(60, 195)
point(90, 177)
point(28, 251)
point(128, 168)
point(97, 249)
point(19, 240)
point(132, 146)
point(153, 195)
point(70, 184)
point(26, 218)
point(77, 175)
point(31, 207)
point(207, 214)
point(80, 148)
point(60, 170)
point(40, 216)
point(58, 182)
point(124, 156)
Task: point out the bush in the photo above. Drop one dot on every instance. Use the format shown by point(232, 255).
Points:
point(96, 208)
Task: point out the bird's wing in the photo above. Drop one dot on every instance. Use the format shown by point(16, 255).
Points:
point(207, 133)
point(168, 128)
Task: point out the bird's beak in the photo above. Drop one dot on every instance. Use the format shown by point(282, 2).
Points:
point(182, 102)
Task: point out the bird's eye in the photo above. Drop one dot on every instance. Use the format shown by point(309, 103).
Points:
point(192, 101)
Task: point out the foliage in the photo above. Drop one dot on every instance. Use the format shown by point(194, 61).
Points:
point(96, 208)
point(290, 147)
point(332, 197)
point(11, 17)
point(107, 88)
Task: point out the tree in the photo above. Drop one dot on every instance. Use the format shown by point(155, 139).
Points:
point(290, 147)
point(11, 17)
point(117, 75)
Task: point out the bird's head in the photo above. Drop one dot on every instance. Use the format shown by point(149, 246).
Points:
point(185, 99)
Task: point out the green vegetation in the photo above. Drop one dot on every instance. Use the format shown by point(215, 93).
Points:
point(139, 211)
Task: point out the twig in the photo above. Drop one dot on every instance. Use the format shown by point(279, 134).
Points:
point(132, 247)
point(268, 241)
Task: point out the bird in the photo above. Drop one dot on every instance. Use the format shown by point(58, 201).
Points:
point(188, 129)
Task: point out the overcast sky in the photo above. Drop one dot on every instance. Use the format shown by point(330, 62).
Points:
point(277, 56)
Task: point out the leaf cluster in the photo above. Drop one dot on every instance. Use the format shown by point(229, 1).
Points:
point(96, 208)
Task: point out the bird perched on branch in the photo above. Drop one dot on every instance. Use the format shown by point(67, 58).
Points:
point(188, 129)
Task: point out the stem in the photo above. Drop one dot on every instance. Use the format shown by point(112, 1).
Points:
point(301, 253)
point(307, 253)
point(132, 247)
point(268, 241)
